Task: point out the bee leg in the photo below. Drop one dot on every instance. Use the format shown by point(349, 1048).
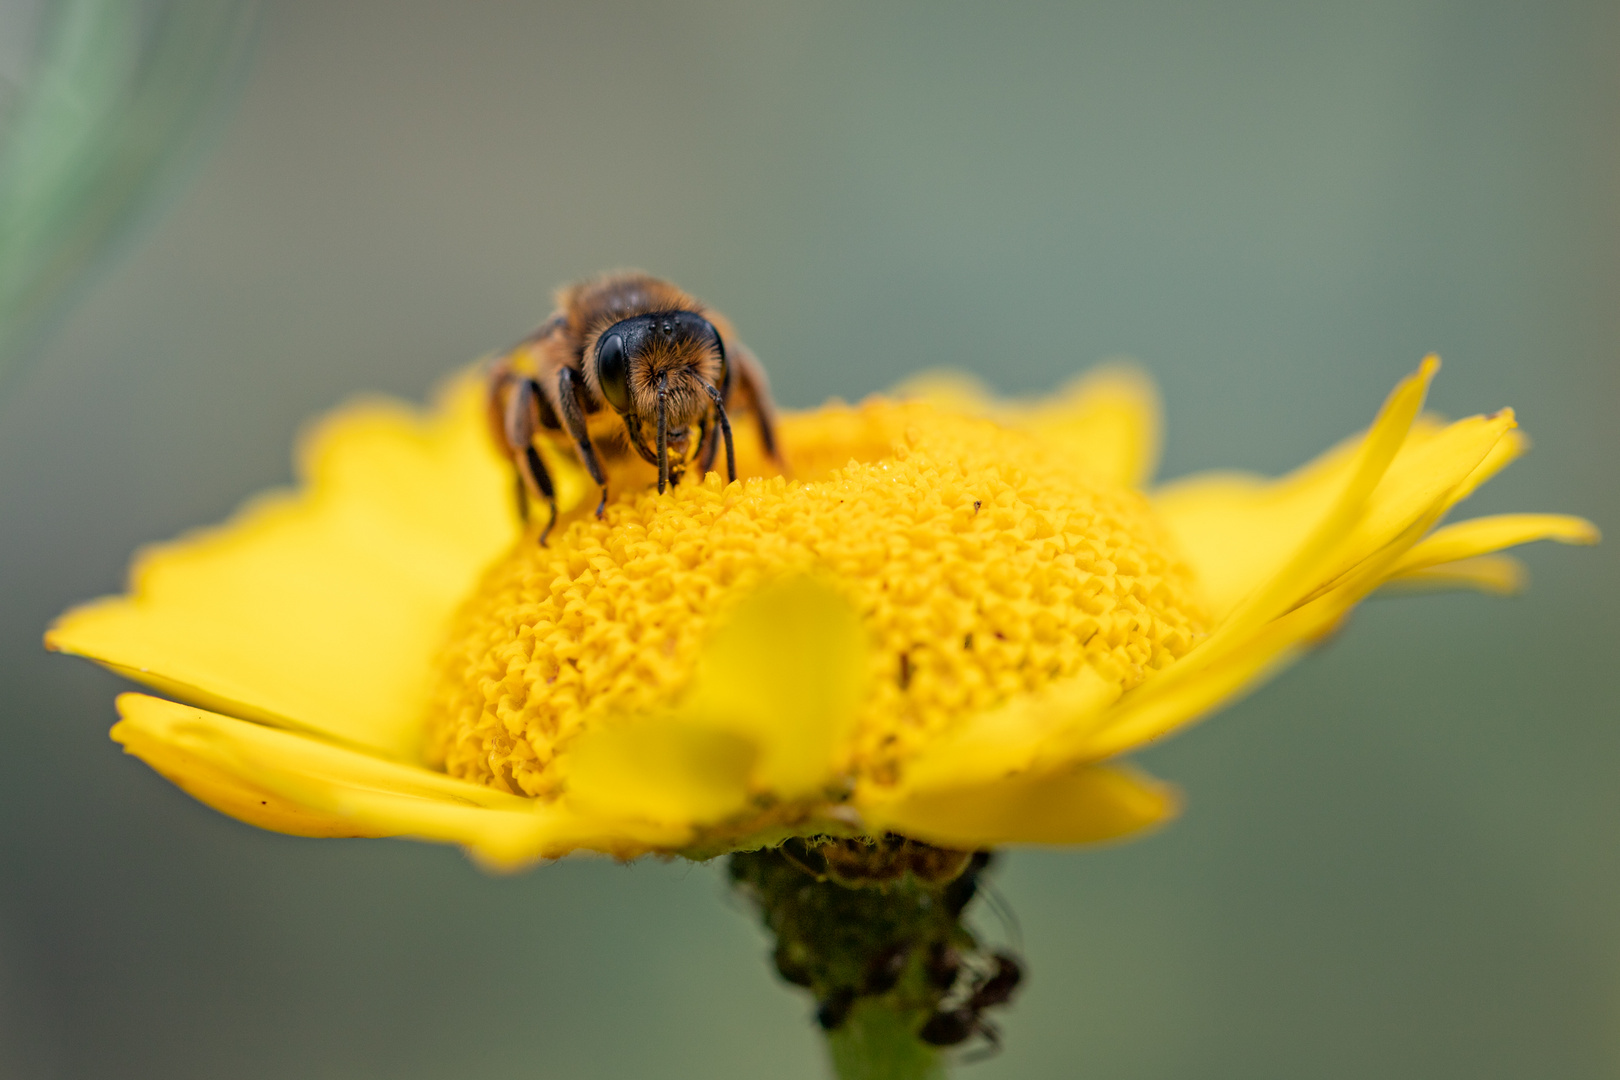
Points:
point(522, 493)
point(632, 429)
point(756, 393)
point(663, 433)
point(518, 430)
point(708, 442)
point(724, 424)
point(535, 470)
point(570, 388)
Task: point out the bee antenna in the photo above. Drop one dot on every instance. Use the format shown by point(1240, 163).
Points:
point(725, 431)
point(663, 432)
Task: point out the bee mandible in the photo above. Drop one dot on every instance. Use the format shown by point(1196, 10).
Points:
point(661, 361)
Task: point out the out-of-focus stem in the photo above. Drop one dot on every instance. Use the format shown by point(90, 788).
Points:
point(872, 929)
point(878, 1042)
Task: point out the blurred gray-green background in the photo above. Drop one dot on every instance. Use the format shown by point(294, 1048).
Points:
point(1402, 859)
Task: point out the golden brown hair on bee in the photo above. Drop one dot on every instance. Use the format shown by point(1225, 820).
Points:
point(670, 368)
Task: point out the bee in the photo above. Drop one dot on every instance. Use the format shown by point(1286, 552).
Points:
point(661, 361)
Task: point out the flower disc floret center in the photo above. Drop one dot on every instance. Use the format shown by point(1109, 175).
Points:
point(982, 563)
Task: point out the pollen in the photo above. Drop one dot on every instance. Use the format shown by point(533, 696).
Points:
point(982, 563)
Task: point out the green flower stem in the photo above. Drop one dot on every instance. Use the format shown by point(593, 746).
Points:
point(879, 1042)
point(872, 929)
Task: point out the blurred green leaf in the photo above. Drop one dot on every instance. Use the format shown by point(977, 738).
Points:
point(110, 110)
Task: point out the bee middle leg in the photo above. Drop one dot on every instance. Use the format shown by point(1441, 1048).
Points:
point(722, 432)
point(521, 420)
point(570, 390)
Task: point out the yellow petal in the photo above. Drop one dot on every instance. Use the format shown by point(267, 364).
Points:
point(770, 712)
point(295, 783)
point(1143, 717)
point(1107, 421)
point(321, 609)
point(1074, 806)
point(1424, 480)
point(956, 391)
point(1169, 700)
point(1481, 536)
point(1237, 529)
point(1304, 567)
point(660, 770)
point(787, 672)
point(177, 746)
point(989, 745)
point(1457, 556)
point(1499, 575)
point(1146, 714)
point(1512, 446)
point(1234, 528)
point(1219, 671)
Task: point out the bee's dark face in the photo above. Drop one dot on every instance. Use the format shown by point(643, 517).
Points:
point(677, 351)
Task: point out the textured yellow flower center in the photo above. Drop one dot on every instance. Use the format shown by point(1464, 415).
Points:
point(982, 564)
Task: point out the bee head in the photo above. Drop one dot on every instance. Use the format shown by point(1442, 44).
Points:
point(679, 350)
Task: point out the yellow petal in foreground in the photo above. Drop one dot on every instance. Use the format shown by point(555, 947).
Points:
point(769, 714)
point(943, 625)
point(1077, 805)
point(293, 783)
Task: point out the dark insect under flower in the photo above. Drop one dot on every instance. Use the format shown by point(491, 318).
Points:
point(879, 922)
point(950, 1027)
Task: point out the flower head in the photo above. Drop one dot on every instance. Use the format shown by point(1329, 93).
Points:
point(946, 624)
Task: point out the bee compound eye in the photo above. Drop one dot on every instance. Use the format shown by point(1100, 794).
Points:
point(613, 372)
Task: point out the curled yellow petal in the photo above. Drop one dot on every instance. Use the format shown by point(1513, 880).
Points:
point(1072, 806)
point(770, 711)
point(999, 742)
point(295, 783)
point(176, 741)
point(787, 672)
point(661, 770)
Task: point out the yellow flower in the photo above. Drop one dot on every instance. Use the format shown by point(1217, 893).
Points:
point(947, 624)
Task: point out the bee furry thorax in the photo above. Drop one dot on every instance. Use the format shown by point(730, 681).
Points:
point(667, 367)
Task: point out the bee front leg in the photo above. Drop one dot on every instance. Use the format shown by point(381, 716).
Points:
point(706, 445)
point(570, 395)
point(723, 424)
point(518, 430)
